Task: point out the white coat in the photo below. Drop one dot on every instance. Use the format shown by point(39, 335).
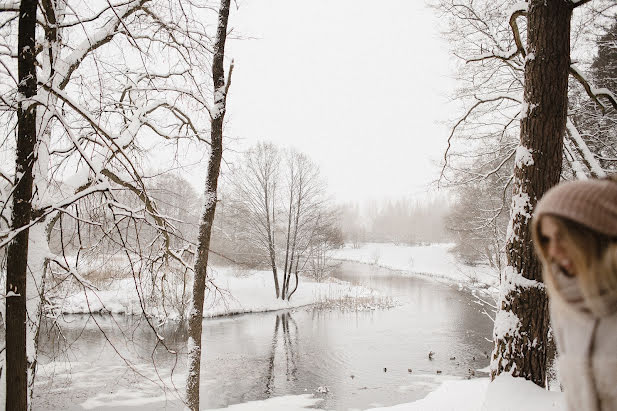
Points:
point(587, 347)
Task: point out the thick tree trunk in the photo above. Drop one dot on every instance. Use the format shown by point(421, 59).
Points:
point(521, 325)
point(17, 255)
point(54, 13)
point(205, 228)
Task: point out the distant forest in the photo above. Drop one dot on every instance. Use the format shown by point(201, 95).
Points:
point(400, 221)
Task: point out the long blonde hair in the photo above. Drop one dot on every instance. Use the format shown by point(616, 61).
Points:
point(593, 255)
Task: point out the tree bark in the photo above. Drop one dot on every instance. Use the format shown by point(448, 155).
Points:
point(293, 244)
point(271, 249)
point(289, 218)
point(17, 255)
point(521, 325)
point(205, 227)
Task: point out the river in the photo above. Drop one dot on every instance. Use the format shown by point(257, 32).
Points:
point(361, 358)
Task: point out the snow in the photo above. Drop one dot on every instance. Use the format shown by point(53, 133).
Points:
point(506, 323)
point(454, 395)
point(590, 159)
point(527, 108)
point(249, 292)
point(513, 279)
point(520, 6)
point(523, 157)
point(285, 403)
point(506, 393)
point(603, 91)
point(219, 102)
point(575, 163)
point(122, 398)
point(434, 261)
point(79, 178)
point(521, 205)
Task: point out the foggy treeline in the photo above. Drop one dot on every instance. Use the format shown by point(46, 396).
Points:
point(400, 221)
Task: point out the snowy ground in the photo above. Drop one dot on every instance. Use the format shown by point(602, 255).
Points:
point(238, 292)
point(433, 261)
point(504, 394)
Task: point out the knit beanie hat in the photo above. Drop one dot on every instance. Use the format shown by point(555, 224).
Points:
point(591, 203)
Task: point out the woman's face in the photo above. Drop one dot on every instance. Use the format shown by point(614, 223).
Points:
point(552, 241)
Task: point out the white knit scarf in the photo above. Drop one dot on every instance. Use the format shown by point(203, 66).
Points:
point(569, 289)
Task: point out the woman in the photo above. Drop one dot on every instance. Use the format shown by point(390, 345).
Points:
point(575, 235)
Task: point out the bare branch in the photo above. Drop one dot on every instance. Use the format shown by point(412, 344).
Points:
point(592, 92)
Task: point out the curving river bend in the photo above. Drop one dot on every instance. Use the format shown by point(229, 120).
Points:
point(362, 357)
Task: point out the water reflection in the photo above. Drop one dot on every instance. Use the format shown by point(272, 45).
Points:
point(289, 342)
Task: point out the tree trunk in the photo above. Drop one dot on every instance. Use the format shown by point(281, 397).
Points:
point(17, 255)
point(205, 227)
point(289, 218)
point(293, 245)
point(39, 234)
point(297, 282)
point(521, 325)
point(269, 227)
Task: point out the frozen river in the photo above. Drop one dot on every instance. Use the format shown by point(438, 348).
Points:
point(362, 357)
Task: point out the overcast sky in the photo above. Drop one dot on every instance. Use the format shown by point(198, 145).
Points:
point(358, 85)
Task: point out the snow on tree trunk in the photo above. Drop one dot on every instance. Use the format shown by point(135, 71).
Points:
point(205, 226)
point(39, 251)
point(17, 254)
point(521, 325)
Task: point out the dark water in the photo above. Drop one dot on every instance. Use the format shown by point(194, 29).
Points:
point(361, 357)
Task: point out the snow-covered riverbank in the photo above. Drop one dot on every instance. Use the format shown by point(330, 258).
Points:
point(236, 292)
point(243, 291)
point(434, 261)
point(504, 394)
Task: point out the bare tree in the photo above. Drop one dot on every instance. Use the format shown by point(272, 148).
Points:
point(305, 205)
point(479, 217)
point(255, 189)
point(328, 237)
point(282, 198)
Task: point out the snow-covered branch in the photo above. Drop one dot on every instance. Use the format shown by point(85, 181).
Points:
point(590, 160)
point(594, 93)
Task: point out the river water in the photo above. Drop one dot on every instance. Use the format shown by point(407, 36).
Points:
point(361, 358)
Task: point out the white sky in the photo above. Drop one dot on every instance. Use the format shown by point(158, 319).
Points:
point(357, 85)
